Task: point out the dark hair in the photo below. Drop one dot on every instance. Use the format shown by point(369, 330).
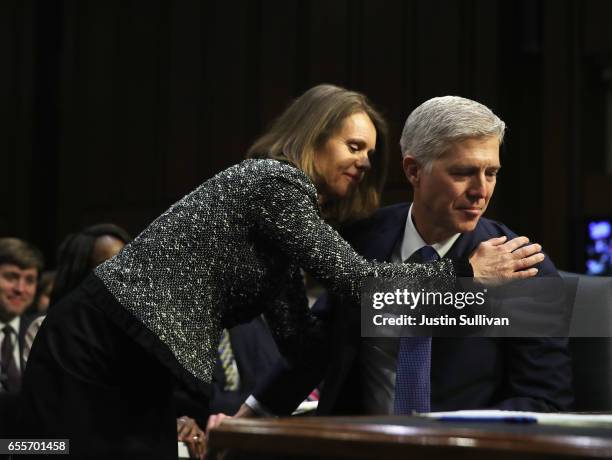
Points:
point(74, 256)
point(18, 252)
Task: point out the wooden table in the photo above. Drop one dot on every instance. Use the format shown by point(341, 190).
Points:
point(406, 437)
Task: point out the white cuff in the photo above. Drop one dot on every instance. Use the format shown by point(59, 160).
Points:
point(257, 407)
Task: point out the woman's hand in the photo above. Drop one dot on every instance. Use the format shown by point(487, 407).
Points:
point(497, 261)
point(192, 435)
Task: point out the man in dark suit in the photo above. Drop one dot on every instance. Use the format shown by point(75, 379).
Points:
point(450, 149)
point(20, 266)
point(253, 352)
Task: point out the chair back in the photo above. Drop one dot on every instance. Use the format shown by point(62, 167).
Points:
point(591, 345)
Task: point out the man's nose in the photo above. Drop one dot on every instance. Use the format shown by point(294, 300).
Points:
point(20, 284)
point(478, 187)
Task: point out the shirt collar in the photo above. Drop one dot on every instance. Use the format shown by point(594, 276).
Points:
point(14, 323)
point(413, 241)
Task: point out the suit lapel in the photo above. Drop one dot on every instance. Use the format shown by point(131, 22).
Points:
point(390, 234)
point(465, 244)
point(374, 243)
point(23, 328)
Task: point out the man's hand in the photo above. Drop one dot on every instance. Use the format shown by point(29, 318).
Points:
point(215, 420)
point(497, 261)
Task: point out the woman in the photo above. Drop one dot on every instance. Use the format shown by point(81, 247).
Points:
point(78, 254)
point(228, 251)
point(81, 252)
point(43, 294)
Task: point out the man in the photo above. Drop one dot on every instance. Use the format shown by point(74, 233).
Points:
point(20, 266)
point(450, 148)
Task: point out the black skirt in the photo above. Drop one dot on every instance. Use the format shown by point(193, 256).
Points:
point(98, 377)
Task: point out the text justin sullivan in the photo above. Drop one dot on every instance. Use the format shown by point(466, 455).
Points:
point(444, 320)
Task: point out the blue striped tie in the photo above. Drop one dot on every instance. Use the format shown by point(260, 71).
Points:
point(412, 378)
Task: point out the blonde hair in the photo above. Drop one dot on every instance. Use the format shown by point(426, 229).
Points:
point(307, 124)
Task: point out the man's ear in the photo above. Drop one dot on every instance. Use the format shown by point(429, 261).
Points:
point(412, 170)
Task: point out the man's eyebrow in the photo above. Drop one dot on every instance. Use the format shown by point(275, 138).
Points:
point(472, 165)
point(472, 168)
point(464, 167)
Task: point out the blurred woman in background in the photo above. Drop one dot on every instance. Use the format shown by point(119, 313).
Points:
point(81, 252)
point(43, 294)
point(78, 254)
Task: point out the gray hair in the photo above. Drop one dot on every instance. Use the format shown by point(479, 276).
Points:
point(435, 125)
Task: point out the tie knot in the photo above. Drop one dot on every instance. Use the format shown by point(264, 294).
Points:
point(424, 255)
point(7, 329)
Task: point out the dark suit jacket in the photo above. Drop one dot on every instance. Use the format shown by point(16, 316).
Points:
point(9, 401)
point(25, 322)
point(256, 353)
point(466, 373)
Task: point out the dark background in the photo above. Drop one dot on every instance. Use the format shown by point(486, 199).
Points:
point(112, 110)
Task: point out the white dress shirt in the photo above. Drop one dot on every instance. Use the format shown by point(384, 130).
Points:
point(378, 356)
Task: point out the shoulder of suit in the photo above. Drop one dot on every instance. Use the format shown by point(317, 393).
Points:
point(488, 228)
point(26, 320)
point(375, 220)
point(492, 228)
